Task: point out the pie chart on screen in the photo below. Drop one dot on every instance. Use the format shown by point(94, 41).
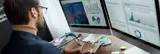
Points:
point(96, 20)
point(138, 34)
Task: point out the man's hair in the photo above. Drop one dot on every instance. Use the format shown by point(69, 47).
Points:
point(17, 10)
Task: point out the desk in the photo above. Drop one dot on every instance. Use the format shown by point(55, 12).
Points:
point(115, 45)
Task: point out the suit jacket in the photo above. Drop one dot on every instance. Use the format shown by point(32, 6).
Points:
point(27, 43)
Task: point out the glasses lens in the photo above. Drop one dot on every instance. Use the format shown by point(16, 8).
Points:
point(44, 10)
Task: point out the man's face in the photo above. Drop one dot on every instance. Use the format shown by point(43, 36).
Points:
point(40, 20)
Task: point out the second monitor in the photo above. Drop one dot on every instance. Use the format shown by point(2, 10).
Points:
point(138, 18)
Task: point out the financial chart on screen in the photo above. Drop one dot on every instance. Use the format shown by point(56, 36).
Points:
point(135, 17)
point(84, 12)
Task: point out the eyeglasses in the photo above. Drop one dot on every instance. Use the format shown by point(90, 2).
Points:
point(44, 9)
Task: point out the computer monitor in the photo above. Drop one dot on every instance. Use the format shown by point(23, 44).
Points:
point(138, 18)
point(84, 12)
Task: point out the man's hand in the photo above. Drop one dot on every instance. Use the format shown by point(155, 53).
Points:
point(87, 47)
point(72, 47)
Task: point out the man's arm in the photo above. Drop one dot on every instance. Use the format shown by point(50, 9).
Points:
point(50, 49)
point(87, 48)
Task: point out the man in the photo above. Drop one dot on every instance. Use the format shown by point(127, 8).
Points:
point(26, 18)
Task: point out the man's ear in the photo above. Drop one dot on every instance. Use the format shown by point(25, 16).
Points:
point(34, 12)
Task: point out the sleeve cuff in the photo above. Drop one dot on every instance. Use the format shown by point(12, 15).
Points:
point(87, 53)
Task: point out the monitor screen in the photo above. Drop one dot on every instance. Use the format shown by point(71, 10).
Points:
point(83, 12)
point(135, 17)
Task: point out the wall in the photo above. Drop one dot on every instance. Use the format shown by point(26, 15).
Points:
point(5, 27)
point(55, 18)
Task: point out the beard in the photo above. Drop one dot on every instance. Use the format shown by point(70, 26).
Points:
point(40, 26)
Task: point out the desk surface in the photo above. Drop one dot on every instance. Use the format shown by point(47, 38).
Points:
point(126, 38)
point(115, 45)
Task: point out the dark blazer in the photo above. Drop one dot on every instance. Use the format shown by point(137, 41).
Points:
point(27, 43)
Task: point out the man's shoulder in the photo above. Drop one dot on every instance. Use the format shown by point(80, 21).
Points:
point(46, 47)
point(32, 47)
point(26, 43)
point(39, 43)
